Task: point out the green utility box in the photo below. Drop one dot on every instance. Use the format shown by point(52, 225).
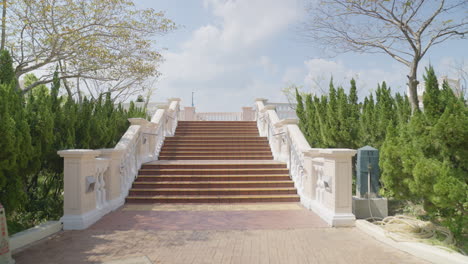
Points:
point(367, 164)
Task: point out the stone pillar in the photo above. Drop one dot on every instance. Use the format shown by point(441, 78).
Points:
point(338, 177)
point(5, 252)
point(248, 114)
point(113, 177)
point(190, 114)
point(79, 201)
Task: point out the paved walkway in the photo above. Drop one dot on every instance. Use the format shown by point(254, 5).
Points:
point(256, 233)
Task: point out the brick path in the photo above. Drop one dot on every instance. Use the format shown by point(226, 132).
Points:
point(257, 233)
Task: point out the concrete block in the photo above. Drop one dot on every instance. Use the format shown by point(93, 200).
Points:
point(378, 207)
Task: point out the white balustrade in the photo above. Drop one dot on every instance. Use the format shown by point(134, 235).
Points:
point(98, 181)
point(322, 177)
point(221, 116)
point(189, 114)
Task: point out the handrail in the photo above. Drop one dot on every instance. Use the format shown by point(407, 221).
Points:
point(322, 177)
point(108, 174)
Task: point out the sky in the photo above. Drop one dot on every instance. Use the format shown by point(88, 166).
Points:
point(230, 52)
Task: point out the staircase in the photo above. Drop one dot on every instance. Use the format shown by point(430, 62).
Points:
point(214, 162)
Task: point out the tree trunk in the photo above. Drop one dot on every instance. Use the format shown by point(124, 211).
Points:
point(3, 25)
point(413, 87)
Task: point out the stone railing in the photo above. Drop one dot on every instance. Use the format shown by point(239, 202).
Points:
point(219, 116)
point(323, 177)
point(97, 181)
point(189, 114)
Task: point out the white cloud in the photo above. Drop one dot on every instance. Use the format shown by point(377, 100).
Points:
point(221, 58)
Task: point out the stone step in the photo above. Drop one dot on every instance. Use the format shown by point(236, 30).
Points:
point(210, 191)
point(214, 162)
point(209, 129)
point(205, 166)
point(214, 153)
point(213, 184)
point(215, 135)
point(216, 157)
point(216, 122)
point(208, 148)
point(213, 178)
point(213, 199)
point(215, 171)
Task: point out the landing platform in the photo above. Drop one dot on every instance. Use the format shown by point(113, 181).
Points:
point(207, 233)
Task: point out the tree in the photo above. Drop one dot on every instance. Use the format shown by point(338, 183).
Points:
point(300, 112)
point(104, 40)
point(404, 30)
point(425, 159)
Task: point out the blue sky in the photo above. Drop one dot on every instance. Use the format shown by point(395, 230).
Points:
point(231, 52)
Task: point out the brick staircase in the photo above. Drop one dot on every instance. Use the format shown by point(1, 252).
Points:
point(214, 162)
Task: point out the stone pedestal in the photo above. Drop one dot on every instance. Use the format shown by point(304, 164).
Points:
point(79, 205)
point(378, 207)
point(190, 114)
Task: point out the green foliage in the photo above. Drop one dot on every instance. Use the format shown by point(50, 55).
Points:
point(33, 128)
point(426, 159)
point(7, 73)
point(331, 121)
point(424, 156)
point(300, 112)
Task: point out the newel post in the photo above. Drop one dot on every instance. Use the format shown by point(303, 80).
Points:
point(190, 114)
point(79, 188)
point(338, 178)
point(248, 114)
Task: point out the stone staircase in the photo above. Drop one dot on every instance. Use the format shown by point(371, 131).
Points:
point(214, 162)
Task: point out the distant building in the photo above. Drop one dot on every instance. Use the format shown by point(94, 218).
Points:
point(454, 84)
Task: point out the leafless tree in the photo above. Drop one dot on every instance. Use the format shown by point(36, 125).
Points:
point(403, 29)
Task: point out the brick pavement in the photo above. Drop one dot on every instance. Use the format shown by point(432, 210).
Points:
point(212, 234)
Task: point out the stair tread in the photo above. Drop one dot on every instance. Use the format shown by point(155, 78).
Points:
point(215, 196)
point(218, 169)
point(210, 182)
point(215, 189)
point(214, 175)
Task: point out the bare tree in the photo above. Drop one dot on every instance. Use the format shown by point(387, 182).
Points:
point(104, 41)
point(403, 29)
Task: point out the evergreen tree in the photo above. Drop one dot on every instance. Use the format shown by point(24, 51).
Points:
point(385, 113)
point(433, 107)
point(425, 160)
point(7, 72)
point(368, 122)
point(300, 112)
point(331, 122)
point(354, 113)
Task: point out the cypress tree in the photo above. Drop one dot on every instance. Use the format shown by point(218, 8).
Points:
point(354, 113)
point(343, 122)
point(312, 123)
point(385, 113)
point(322, 118)
point(300, 112)
point(433, 107)
point(331, 118)
point(15, 149)
point(7, 72)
